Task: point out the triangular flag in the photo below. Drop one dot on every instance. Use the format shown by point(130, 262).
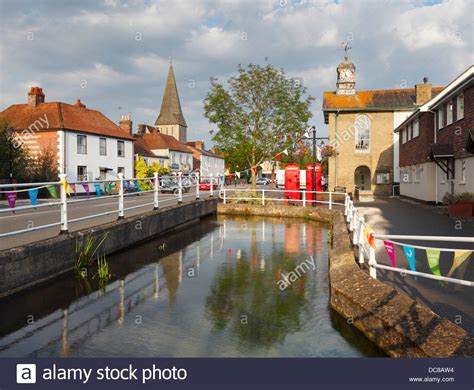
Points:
point(137, 185)
point(73, 186)
point(318, 153)
point(286, 151)
point(254, 169)
point(390, 248)
point(459, 258)
point(98, 189)
point(52, 190)
point(278, 156)
point(247, 172)
point(86, 188)
point(237, 174)
point(33, 194)
point(270, 162)
point(11, 197)
point(306, 135)
point(126, 184)
point(410, 254)
point(66, 186)
point(432, 255)
point(262, 166)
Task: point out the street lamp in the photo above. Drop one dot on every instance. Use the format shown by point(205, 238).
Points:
point(9, 138)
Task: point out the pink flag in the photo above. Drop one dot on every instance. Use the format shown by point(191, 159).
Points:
point(86, 187)
point(389, 247)
point(11, 197)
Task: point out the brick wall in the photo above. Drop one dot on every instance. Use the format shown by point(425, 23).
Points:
point(417, 150)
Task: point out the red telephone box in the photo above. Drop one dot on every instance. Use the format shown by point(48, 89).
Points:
point(309, 182)
point(292, 182)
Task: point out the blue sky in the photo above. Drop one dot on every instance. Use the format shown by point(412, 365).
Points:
point(114, 54)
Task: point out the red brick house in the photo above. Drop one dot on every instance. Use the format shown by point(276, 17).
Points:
point(436, 144)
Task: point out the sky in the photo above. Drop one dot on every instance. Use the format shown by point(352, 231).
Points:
point(114, 54)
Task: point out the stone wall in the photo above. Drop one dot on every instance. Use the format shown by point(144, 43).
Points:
point(393, 321)
point(28, 265)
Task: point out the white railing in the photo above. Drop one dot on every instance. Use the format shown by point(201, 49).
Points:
point(288, 196)
point(357, 226)
point(179, 185)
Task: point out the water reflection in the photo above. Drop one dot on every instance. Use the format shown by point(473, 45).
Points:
point(208, 290)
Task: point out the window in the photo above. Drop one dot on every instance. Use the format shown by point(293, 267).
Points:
point(121, 148)
point(460, 107)
point(81, 173)
point(81, 144)
point(409, 130)
point(440, 121)
point(449, 113)
point(103, 146)
point(383, 178)
point(404, 135)
point(462, 166)
point(121, 170)
point(362, 135)
point(416, 128)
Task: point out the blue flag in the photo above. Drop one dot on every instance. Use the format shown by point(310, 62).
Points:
point(137, 185)
point(410, 254)
point(33, 194)
point(98, 189)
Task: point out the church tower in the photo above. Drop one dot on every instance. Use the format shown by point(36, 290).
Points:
point(345, 75)
point(171, 120)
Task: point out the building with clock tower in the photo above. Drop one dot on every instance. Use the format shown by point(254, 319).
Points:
point(361, 130)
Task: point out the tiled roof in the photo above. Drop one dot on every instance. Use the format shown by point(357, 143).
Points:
point(62, 116)
point(157, 140)
point(170, 112)
point(203, 151)
point(141, 148)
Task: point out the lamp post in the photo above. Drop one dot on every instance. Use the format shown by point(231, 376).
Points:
point(9, 137)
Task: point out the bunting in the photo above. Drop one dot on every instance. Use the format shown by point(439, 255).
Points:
point(11, 197)
point(390, 248)
point(237, 174)
point(98, 189)
point(432, 255)
point(66, 186)
point(410, 255)
point(73, 186)
point(459, 258)
point(86, 188)
point(33, 195)
point(52, 190)
point(137, 185)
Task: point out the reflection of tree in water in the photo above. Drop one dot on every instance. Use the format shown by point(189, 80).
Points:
point(248, 301)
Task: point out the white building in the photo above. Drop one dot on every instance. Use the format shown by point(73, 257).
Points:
point(206, 161)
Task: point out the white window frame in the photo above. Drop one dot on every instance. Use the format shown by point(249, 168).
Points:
point(120, 142)
point(382, 178)
point(416, 128)
point(404, 135)
point(460, 107)
point(440, 118)
point(360, 145)
point(409, 132)
point(449, 113)
point(83, 176)
point(105, 146)
point(81, 145)
point(462, 171)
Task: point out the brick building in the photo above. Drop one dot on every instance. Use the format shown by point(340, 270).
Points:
point(361, 129)
point(436, 148)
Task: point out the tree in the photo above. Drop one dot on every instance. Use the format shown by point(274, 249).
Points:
point(258, 116)
point(13, 155)
point(43, 168)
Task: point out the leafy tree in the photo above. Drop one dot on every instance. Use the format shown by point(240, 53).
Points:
point(43, 167)
point(13, 155)
point(143, 170)
point(257, 116)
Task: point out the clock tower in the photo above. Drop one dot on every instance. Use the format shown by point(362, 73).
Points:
point(345, 75)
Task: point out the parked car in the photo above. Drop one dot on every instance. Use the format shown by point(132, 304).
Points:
point(263, 181)
point(171, 186)
point(205, 185)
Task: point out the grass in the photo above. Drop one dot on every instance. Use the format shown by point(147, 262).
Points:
point(86, 251)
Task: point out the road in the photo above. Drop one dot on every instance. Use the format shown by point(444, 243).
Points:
point(396, 216)
point(26, 219)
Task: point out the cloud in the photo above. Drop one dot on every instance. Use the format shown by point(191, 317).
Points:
point(122, 48)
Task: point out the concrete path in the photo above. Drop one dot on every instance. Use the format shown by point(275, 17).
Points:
point(397, 216)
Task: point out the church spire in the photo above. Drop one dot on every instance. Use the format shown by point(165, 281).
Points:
point(170, 112)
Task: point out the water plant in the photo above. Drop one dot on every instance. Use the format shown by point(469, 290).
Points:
point(102, 273)
point(86, 251)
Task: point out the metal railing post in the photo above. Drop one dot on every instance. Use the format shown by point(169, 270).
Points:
point(372, 263)
point(224, 191)
point(330, 201)
point(180, 187)
point(197, 185)
point(361, 240)
point(120, 211)
point(63, 194)
point(349, 208)
point(346, 204)
point(263, 197)
point(211, 194)
point(304, 198)
point(355, 225)
point(156, 191)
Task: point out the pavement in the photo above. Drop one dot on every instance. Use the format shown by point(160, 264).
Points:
point(26, 219)
point(403, 217)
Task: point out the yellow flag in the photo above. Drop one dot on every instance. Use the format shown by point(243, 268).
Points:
point(66, 187)
point(459, 258)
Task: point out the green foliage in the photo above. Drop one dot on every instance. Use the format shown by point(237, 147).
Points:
point(43, 168)
point(86, 250)
point(12, 154)
point(255, 115)
point(143, 170)
point(457, 198)
point(102, 274)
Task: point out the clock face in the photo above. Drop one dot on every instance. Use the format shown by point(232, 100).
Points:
point(346, 75)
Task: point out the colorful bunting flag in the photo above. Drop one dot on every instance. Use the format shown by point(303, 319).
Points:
point(73, 186)
point(33, 194)
point(278, 156)
point(459, 258)
point(52, 190)
point(390, 248)
point(262, 166)
point(126, 184)
point(66, 186)
point(98, 189)
point(286, 151)
point(432, 255)
point(11, 197)
point(254, 170)
point(410, 254)
point(137, 185)
point(237, 174)
point(86, 188)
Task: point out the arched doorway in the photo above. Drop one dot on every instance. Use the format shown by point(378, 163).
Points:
point(362, 178)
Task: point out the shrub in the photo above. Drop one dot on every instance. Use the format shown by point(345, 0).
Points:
point(457, 198)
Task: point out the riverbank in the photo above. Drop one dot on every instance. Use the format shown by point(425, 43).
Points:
point(396, 323)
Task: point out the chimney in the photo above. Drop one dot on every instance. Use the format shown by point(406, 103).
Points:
point(79, 104)
point(199, 145)
point(35, 96)
point(423, 92)
point(126, 124)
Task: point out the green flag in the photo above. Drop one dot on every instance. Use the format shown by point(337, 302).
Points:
point(432, 256)
point(52, 190)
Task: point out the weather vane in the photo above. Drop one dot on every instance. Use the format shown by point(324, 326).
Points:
point(346, 47)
